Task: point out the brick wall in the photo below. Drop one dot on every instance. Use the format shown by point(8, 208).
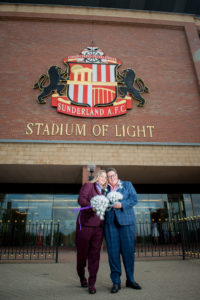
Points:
point(159, 47)
point(163, 51)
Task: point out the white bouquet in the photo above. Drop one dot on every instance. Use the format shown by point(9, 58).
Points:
point(100, 204)
point(114, 197)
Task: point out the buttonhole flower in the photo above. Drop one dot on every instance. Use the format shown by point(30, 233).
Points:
point(120, 186)
point(104, 191)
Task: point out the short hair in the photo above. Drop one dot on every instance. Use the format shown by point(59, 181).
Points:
point(111, 169)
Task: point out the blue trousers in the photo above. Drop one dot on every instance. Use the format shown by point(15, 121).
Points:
point(120, 240)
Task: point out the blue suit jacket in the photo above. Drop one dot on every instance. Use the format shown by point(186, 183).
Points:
point(124, 215)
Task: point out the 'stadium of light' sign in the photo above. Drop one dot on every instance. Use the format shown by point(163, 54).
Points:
point(91, 86)
point(104, 130)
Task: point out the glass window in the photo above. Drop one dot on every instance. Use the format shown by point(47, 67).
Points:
point(63, 211)
point(149, 206)
point(27, 207)
point(196, 204)
point(176, 206)
point(188, 205)
point(40, 208)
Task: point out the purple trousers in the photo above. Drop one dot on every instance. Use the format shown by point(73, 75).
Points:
point(88, 245)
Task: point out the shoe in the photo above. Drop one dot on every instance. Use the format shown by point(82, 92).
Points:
point(84, 283)
point(133, 285)
point(115, 288)
point(92, 290)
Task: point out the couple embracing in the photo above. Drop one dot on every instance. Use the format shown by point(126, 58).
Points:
point(119, 228)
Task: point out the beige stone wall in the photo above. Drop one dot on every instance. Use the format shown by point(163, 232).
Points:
point(83, 154)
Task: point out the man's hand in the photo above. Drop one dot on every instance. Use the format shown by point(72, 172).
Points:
point(117, 205)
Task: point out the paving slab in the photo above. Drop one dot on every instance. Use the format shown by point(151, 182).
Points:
point(161, 279)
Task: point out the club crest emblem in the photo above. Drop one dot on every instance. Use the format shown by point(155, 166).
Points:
point(91, 86)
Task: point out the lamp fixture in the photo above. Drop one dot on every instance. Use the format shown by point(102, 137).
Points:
point(91, 168)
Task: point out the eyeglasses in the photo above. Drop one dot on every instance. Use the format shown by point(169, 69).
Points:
point(111, 176)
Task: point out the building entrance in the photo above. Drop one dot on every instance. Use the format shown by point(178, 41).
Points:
point(58, 208)
point(35, 226)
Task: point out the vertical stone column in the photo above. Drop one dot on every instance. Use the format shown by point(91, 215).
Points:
point(193, 40)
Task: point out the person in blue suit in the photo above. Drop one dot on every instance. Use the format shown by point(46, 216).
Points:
point(120, 231)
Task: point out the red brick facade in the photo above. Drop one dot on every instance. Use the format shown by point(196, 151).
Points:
point(160, 52)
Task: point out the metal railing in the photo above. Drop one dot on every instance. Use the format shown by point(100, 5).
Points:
point(169, 238)
point(40, 241)
point(22, 241)
point(190, 237)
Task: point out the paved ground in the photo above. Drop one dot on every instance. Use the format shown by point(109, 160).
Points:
point(161, 280)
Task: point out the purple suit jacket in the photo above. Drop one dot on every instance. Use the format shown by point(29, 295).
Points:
point(88, 217)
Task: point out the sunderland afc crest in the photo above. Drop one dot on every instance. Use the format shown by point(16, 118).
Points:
point(91, 86)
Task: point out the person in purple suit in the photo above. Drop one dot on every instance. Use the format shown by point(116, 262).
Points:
point(89, 231)
point(120, 230)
